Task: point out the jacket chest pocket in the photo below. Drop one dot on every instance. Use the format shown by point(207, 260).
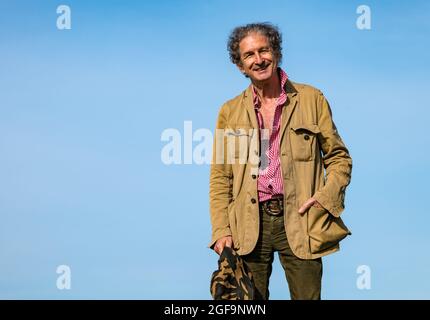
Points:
point(304, 140)
point(238, 143)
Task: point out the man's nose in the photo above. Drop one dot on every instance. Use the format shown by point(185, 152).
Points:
point(258, 59)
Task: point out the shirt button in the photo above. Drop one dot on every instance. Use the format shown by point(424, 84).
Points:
point(253, 200)
point(306, 137)
point(270, 186)
point(254, 176)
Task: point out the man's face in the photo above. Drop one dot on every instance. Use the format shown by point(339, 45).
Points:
point(258, 61)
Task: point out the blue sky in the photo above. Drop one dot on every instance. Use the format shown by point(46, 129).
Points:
point(82, 111)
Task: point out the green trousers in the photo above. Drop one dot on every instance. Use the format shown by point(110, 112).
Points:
point(303, 276)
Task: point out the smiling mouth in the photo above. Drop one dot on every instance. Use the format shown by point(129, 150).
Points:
point(262, 69)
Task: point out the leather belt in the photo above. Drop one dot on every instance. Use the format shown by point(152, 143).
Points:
point(273, 206)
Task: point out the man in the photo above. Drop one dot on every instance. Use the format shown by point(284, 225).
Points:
point(284, 202)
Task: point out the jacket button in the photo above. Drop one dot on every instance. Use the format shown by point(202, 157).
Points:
point(306, 137)
point(254, 176)
point(253, 200)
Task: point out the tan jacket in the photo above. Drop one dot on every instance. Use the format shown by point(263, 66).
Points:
point(309, 142)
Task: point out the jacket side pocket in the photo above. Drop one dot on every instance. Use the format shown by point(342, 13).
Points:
point(324, 229)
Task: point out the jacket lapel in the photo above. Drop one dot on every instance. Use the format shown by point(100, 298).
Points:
point(289, 107)
point(249, 104)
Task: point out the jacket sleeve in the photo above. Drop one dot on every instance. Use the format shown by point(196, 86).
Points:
point(337, 161)
point(220, 184)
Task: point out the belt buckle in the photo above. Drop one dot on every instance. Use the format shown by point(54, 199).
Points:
point(268, 210)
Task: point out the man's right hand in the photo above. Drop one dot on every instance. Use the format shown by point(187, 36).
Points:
point(222, 242)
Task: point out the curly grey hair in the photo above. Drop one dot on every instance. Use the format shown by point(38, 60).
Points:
point(270, 31)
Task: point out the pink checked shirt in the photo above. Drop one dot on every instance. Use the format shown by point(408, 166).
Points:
point(269, 182)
